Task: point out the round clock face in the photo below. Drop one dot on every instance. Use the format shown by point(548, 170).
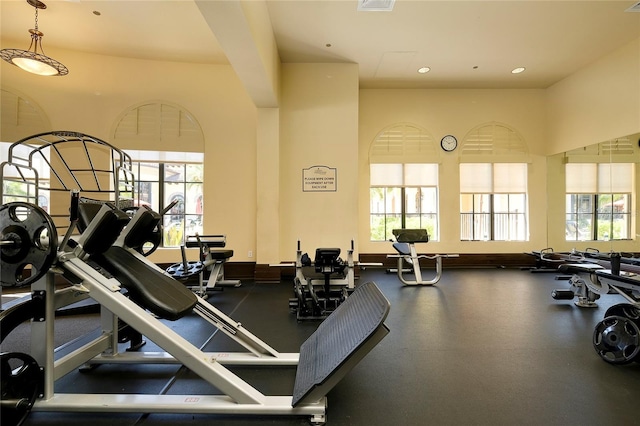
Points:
point(449, 143)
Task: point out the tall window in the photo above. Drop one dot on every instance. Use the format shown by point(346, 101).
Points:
point(172, 176)
point(598, 201)
point(493, 202)
point(403, 196)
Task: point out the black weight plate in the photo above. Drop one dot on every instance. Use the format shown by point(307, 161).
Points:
point(617, 340)
point(178, 271)
point(34, 243)
point(22, 380)
point(626, 310)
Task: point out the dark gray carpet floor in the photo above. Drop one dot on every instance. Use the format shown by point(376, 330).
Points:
point(483, 347)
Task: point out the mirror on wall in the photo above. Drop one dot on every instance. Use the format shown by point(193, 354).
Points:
point(600, 188)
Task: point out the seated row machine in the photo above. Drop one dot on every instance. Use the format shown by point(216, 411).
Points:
point(100, 265)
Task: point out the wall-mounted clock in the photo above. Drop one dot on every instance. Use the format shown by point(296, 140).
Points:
point(449, 143)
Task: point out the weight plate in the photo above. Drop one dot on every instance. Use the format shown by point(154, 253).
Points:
point(30, 241)
point(626, 310)
point(617, 339)
point(178, 271)
point(22, 380)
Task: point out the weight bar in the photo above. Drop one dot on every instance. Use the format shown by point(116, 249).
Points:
point(28, 239)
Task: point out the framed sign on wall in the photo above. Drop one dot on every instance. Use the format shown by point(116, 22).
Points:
point(319, 179)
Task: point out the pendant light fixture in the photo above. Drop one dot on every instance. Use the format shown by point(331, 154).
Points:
point(34, 60)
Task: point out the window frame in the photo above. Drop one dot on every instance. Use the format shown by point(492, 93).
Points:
point(592, 183)
point(403, 216)
point(175, 221)
point(476, 217)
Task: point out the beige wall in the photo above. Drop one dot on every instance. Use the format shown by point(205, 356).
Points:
point(324, 119)
point(100, 88)
point(319, 127)
point(456, 112)
point(597, 103)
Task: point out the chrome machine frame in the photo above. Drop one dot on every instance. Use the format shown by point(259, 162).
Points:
point(239, 396)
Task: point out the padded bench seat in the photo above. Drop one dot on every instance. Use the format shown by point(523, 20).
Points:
point(624, 277)
point(579, 267)
point(221, 254)
point(149, 287)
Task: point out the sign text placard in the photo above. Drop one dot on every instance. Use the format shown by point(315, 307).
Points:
point(319, 179)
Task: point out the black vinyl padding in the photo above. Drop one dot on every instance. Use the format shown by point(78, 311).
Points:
point(86, 213)
point(338, 338)
point(221, 254)
point(142, 228)
point(106, 232)
point(149, 287)
point(411, 235)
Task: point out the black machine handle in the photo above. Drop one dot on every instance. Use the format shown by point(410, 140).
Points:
point(74, 208)
point(74, 215)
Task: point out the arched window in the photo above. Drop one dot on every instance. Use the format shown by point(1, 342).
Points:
point(21, 117)
point(166, 145)
point(493, 185)
point(403, 188)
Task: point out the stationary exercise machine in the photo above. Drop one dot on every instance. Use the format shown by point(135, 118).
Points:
point(103, 264)
point(616, 339)
point(405, 245)
point(321, 285)
point(100, 264)
point(209, 269)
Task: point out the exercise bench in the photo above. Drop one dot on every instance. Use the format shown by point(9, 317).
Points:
point(211, 259)
point(405, 245)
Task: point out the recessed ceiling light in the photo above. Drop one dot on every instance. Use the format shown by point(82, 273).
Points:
point(634, 8)
point(375, 5)
point(518, 70)
point(424, 70)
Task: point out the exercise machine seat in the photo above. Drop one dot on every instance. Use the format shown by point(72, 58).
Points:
point(160, 294)
point(105, 232)
point(221, 254)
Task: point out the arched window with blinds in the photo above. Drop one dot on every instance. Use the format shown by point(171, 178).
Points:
point(403, 190)
point(493, 185)
point(151, 132)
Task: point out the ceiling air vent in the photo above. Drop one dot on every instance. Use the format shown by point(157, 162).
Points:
point(375, 5)
point(634, 8)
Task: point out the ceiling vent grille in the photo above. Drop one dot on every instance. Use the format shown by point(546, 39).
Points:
point(634, 8)
point(375, 5)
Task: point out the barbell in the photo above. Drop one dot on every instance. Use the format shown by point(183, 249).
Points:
point(28, 240)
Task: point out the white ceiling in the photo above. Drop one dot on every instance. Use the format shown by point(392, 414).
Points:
point(551, 38)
